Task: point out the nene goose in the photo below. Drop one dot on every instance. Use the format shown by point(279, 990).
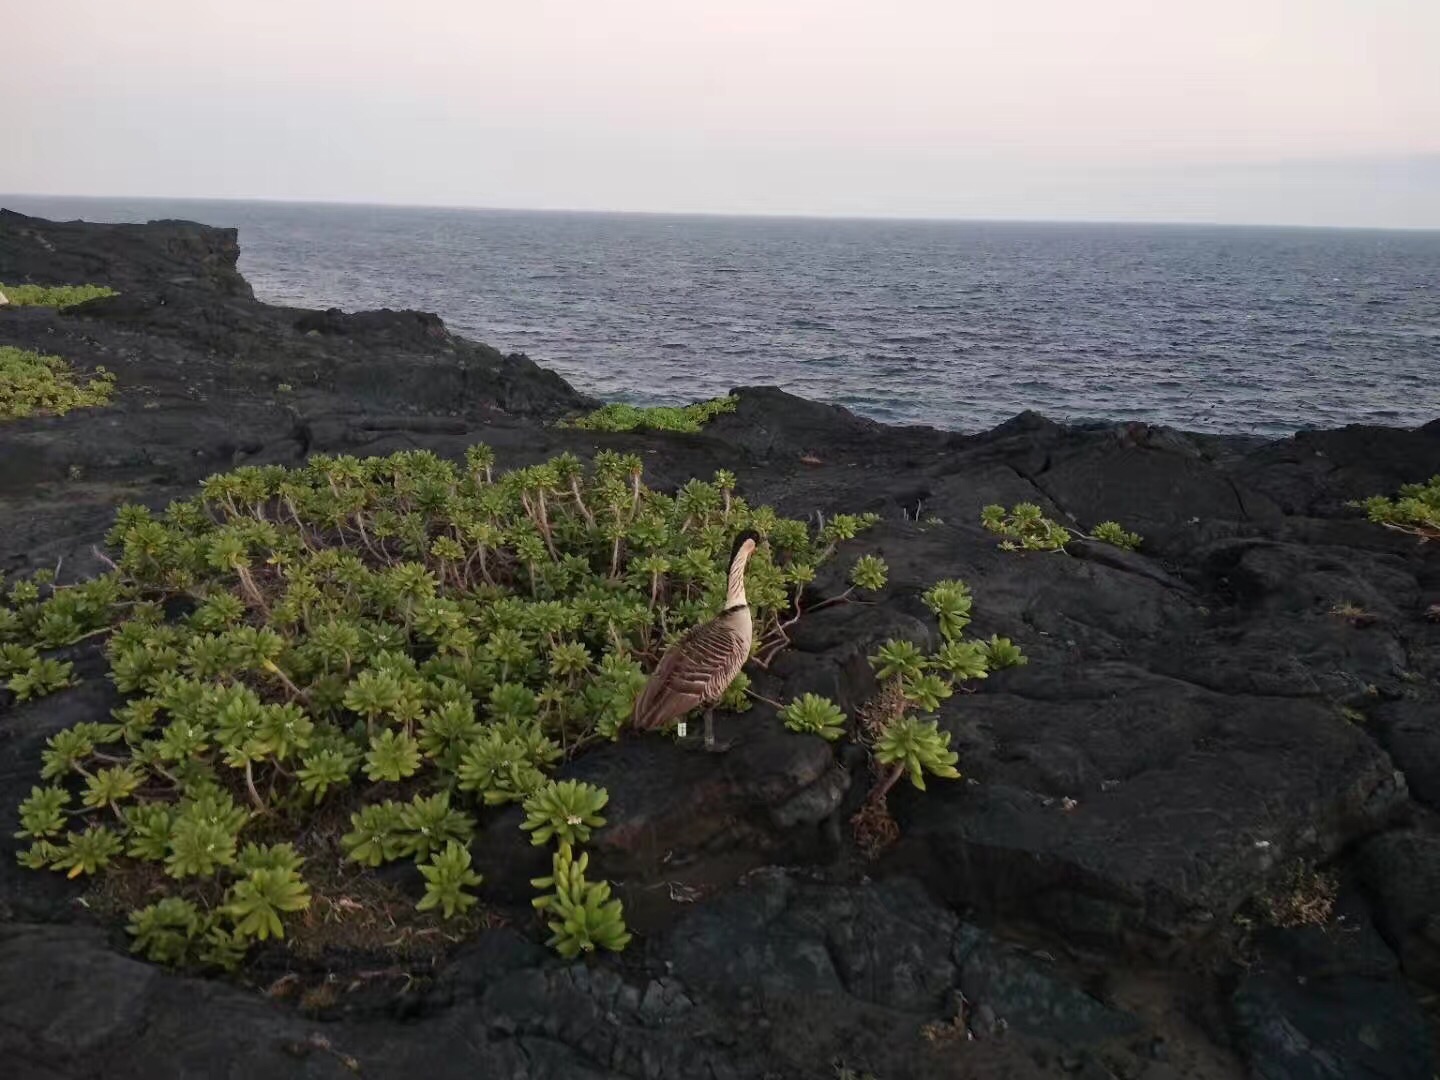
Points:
point(697, 669)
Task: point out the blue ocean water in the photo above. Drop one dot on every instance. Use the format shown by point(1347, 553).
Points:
point(956, 324)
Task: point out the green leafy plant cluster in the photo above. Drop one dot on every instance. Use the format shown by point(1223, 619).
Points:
point(582, 916)
point(902, 739)
point(815, 715)
point(619, 416)
point(1026, 528)
point(1415, 509)
point(35, 615)
point(351, 660)
point(1115, 534)
point(32, 384)
point(57, 296)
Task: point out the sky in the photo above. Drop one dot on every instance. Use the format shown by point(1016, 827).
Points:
point(1321, 112)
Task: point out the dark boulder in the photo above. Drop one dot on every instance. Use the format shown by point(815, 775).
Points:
point(172, 253)
point(1401, 870)
point(1337, 1029)
point(1320, 472)
point(1410, 730)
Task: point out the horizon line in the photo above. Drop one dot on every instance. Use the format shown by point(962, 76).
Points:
point(776, 215)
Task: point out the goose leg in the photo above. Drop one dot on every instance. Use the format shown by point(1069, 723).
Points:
point(710, 744)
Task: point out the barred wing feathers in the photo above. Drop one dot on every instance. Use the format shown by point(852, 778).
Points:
point(695, 671)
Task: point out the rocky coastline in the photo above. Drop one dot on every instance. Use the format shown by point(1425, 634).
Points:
point(1256, 690)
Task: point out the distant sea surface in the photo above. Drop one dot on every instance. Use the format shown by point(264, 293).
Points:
point(956, 324)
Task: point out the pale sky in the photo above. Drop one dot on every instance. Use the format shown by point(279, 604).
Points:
point(1266, 111)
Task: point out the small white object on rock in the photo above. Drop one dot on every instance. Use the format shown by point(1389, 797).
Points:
point(4, 299)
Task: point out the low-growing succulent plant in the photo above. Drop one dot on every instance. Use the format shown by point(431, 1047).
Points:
point(1025, 527)
point(88, 852)
point(32, 384)
point(582, 915)
point(413, 640)
point(259, 899)
point(56, 296)
point(898, 659)
point(167, 930)
point(447, 876)
point(1113, 533)
point(199, 847)
point(927, 691)
point(869, 572)
point(1001, 652)
point(375, 834)
point(566, 810)
point(1415, 509)
point(963, 660)
point(951, 603)
point(916, 747)
point(43, 676)
point(901, 743)
point(42, 815)
point(393, 756)
point(814, 715)
point(619, 416)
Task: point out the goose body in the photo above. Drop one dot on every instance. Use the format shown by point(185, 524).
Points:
point(698, 668)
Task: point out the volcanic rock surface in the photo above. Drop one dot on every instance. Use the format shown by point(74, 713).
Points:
point(1193, 721)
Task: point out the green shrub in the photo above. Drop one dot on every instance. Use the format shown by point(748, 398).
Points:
point(566, 810)
point(869, 572)
point(334, 667)
point(1001, 653)
point(898, 659)
point(1026, 528)
point(618, 416)
point(583, 917)
point(447, 876)
point(57, 296)
point(1111, 532)
point(917, 747)
point(950, 601)
point(1414, 510)
point(815, 715)
point(900, 743)
point(35, 385)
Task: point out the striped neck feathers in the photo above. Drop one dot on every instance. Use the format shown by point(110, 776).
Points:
point(735, 586)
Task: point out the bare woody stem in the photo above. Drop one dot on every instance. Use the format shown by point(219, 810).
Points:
point(580, 502)
point(274, 669)
point(880, 792)
point(250, 787)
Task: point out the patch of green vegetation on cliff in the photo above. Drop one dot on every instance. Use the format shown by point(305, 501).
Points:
point(1026, 528)
point(56, 296)
point(1414, 510)
point(32, 384)
point(334, 667)
point(618, 416)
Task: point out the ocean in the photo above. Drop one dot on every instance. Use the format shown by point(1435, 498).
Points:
point(956, 324)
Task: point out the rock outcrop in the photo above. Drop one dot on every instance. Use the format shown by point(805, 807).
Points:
point(1194, 719)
